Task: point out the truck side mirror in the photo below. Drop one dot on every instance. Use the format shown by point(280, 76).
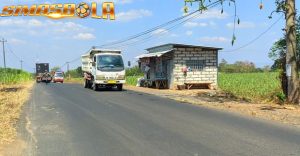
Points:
point(129, 63)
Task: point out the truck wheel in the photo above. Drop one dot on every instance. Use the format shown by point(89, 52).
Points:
point(95, 87)
point(120, 87)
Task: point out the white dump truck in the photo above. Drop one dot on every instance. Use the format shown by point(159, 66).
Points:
point(103, 68)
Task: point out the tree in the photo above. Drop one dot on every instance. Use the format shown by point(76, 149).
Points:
point(75, 73)
point(287, 7)
point(79, 71)
point(266, 68)
point(238, 67)
point(134, 71)
point(54, 69)
point(222, 65)
point(278, 54)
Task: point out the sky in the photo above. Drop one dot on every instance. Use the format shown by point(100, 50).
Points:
point(41, 39)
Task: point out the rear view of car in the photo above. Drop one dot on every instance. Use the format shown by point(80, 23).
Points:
point(58, 77)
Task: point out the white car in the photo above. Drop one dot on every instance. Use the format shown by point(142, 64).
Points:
point(58, 77)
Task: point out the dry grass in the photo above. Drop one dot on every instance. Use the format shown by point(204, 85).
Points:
point(12, 98)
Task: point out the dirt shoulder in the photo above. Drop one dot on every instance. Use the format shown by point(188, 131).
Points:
point(12, 98)
point(208, 98)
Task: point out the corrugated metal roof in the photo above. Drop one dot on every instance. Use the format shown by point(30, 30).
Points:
point(175, 45)
point(156, 54)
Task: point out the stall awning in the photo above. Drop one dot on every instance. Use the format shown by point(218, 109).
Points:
point(156, 54)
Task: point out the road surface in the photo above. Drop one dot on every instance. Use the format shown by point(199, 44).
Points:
point(66, 119)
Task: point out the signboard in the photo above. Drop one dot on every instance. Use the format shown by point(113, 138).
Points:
point(288, 70)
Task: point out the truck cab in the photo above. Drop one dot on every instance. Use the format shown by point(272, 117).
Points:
point(103, 68)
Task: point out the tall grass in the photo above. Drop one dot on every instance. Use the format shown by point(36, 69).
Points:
point(255, 86)
point(132, 80)
point(252, 86)
point(13, 76)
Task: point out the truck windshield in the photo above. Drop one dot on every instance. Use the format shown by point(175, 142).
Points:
point(110, 63)
point(59, 75)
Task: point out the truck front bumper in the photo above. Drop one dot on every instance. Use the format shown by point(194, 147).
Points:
point(107, 82)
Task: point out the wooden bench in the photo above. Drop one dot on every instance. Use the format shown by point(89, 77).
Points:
point(193, 84)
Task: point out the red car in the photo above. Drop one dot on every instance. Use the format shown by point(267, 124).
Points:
point(58, 77)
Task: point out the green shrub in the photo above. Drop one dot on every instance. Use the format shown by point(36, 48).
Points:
point(75, 73)
point(134, 71)
point(13, 76)
point(132, 80)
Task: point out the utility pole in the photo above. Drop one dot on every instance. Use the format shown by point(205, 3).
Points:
point(68, 69)
point(4, 61)
point(21, 61)
point(291, 58)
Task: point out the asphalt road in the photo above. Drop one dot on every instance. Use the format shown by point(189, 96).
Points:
point(66, 119)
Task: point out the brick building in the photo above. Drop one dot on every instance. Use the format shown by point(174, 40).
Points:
point(173, 65)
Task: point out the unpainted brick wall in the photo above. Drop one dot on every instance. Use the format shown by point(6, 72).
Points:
point(207, 75)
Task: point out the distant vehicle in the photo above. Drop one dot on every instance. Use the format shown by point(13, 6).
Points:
point(42, 73)
point(103, 68)
point(58, 77)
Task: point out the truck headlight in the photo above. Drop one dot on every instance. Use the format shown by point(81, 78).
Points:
point(121, 77)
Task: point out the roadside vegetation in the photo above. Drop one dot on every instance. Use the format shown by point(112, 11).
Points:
point(259, 86)
point(132, 75)
point(14, 92)
point(75, 73)
point(132, 80)
point(252, 86)
point(241, 79)
point(244, 80)
point(13, 76)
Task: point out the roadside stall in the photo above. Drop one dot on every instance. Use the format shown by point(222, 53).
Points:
point(179, 66)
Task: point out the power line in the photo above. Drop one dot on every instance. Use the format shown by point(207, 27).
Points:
point(153, 30)
point(163, 32)
point(63, 65)
point(157, 27)
point(256, 38)
point(76, 59)
point(148, 31)
point(166, 30)
point(69, 62)
point(16, 56)
point(21, 61)
point(10, 50)
point(152, 35)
